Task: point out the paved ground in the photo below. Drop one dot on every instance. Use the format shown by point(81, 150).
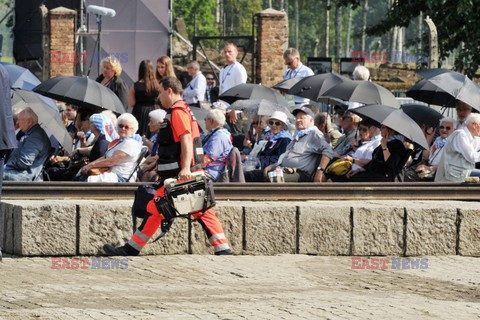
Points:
point(239, 287)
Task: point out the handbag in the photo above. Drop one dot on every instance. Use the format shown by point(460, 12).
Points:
point(339, 167)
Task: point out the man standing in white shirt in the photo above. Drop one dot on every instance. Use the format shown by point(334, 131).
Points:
point(461, 152)
point(233, 73)
point(296, 69)
point(194, 92)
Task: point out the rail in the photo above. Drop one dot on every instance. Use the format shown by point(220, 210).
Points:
point(254, 191)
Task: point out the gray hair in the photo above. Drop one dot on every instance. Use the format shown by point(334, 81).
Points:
point(291, 52)
point(111, 115)
point(129, 119)
point(473, 118)
point(29, 113)
point(193, 64)
point(443, 120)
point(216, 116)
point(361, 73)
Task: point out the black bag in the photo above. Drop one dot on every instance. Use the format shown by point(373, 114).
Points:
point(143, 195)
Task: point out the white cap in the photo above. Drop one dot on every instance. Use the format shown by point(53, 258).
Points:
point(279, 115)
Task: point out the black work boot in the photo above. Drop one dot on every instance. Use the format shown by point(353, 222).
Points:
point(226, 252)
point(125, 250)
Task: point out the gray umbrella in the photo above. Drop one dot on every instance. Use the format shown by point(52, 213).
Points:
point(261, 107)
point(48, 118)
point(396, 120)
point(422, 115)
point(451, 86)
point(361, 91)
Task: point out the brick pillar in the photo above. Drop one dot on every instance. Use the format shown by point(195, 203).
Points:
point(62, 56)
point(272, 40)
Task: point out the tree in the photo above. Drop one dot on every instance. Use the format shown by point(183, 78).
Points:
point(205, 11)
point(456, 22)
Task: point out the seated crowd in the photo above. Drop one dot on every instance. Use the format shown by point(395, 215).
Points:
point(315, 149)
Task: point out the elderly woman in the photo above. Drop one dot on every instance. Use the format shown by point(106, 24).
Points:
point(278, 139)
point(110, 77)
point(387, 159)
point(426, 172)
point(217, 144)
point(147, 170)
point(121, 156)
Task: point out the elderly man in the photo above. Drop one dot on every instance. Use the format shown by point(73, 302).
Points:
point(194, 91)
point(463, 111)
point(233, 73)
point(461, 152)
point(349, 125)
point(296, 69)
point(211, 93)
point(217, 144)
point(300, 160)
point(361, 73)
point(26, 162)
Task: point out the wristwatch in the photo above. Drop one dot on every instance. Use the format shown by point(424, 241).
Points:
point(319, 168)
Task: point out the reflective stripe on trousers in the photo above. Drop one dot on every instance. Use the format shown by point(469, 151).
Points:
point(209, 222)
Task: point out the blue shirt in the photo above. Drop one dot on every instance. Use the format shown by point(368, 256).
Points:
point(301, 71)
point(217, 144)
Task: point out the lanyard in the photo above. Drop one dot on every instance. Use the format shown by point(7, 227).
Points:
point(227, 72)
point(290, 72)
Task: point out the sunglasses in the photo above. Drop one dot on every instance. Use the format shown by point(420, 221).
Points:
point(209, 78)
point(255, 123)
point(124, 126)
point(444, 127)
point(364, 129)
point(274, 123)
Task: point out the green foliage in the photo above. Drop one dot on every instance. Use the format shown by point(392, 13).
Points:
point(456, 22)
point(239, 15)
point(205, 12)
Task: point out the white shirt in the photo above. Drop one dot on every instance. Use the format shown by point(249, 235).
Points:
point(232, 75)
point(132, 148)
point(195, 89)
point(467, 145)
point(301, 71)
point(365, 151)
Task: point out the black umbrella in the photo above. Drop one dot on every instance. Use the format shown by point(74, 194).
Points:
point(252, 91)
point(452, 86)
point(82, 92)
point(361, 91)
point(396, 120)
point(286, 85)
point(314, 87)
point(261, 107)
point(422, 115)
point(48, 118)
point(427, 92)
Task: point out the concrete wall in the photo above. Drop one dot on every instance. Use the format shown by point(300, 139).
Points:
point(381, 228)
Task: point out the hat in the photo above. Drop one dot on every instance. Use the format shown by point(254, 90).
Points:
point(307, 110)
point(279, 115)
point(220, 105)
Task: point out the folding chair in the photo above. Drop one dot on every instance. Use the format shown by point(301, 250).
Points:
point(142, 155)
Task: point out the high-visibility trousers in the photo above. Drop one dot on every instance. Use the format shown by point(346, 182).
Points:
point(209, 221)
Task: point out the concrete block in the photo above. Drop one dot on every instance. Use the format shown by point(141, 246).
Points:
point(324, 230)
point(378, 230)
point(231, 218)
point(431, 230)
point(44, 229)
point(174, 242)
point(270, 228)
point(6, 227)
point(469, 244)
point(102, 222)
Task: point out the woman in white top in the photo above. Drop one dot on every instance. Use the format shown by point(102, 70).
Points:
point(121, 156)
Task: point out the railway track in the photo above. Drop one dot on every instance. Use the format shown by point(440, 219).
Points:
point(254, 191)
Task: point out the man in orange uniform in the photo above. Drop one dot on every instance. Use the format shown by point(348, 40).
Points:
point(175, 152)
